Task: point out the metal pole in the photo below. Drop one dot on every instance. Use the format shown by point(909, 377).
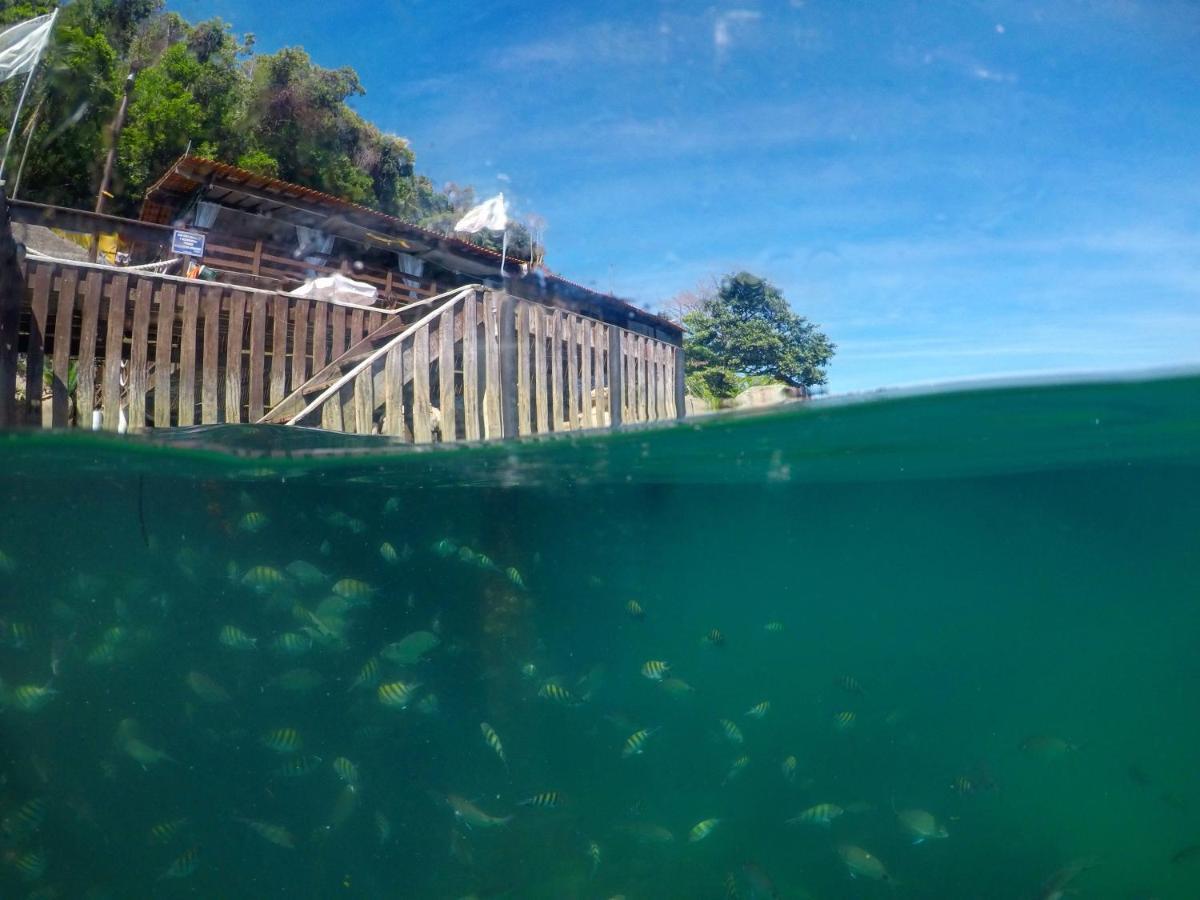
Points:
point(16, 116)
point(37, 111)
point(12, 293)
point(118, 124)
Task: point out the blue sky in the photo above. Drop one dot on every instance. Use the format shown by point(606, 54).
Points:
point(949, 189)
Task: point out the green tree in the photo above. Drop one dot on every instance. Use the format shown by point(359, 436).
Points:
point(747, 329)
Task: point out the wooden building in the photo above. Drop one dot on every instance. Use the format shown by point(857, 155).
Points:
point(452, 350)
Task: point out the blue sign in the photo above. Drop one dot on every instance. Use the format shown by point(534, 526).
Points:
point(187, 243)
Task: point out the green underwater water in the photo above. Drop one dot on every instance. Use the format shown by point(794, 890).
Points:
point(990, 565)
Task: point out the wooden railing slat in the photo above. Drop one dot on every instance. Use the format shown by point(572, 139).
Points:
point(35, 354)
point(422, 410)
point(300, 343)
point(279, 361)
point(446, 392)
point(587, 388)
point(337, 321)
point(114, 347)
point(470, 351)
point(139, 353)
point(64, 315)
point(190, 314)
point(393, 393)
point(364, 401)
point(491, 358)
point(258, 353)
point(233, 357)
point(523, 386)
point(320, 336)
point(163, 339)
point(554, 328)
point(85, 392)
point(211, 308)
point(537, 326)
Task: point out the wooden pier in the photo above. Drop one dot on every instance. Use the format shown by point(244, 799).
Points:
point(84, 345)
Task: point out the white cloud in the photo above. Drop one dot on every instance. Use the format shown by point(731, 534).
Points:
point(724, 25)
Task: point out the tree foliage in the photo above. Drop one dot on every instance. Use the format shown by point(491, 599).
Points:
point(201, 86)
point(747, 329)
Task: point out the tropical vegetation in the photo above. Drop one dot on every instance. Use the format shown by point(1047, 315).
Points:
point(204, 89)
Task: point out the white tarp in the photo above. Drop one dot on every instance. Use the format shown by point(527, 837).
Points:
point(491, 214)
point(337, 287)
point(22, 44)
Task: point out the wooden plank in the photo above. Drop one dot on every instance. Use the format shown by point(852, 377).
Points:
point(470, 351)
point(233, 357)
point(164, 336)
point(587, 390)
point(114, 346)
point(331, 413)
point(522, 386)
point(279, 360)
point(337, 318)
point(679, 385)
point(629, 372)
point(300, 342)
point(35, 351)
point(616, 376)
point(64, 314)
point(537, 326)
point(446, 392)
point(570, 332)
point(356, 327)
point(554, 327)
point(256, 264)
point(190, 315)
point(85, 390)
point(258, 354)
point(600, 348)
point(139, 353)
point(492, 427)
point(364, 401)
point(210, 307)
point(320, 337)
point(506, 324)
point(665, 388)
point(422, 409)
point(647, 384)
point(393, 393)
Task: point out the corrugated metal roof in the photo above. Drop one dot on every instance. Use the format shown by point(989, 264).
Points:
point(272, 197)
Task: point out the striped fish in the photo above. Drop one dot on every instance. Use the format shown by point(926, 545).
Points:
point(396, 694)
point(635, 743)
point(701, 830)
point(544, 800)
point(282, 740)
point(821, 814)
point(732, 732)
point(493, 741)
point(758, 710)
point(655, 669)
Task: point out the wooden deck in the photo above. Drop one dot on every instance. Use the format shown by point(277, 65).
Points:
point(85, 345)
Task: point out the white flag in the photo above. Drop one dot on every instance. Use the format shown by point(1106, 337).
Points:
point(21, 45)
point(490, 214)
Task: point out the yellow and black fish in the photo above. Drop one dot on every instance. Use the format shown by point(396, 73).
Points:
point(493, 741)
point(544, 800)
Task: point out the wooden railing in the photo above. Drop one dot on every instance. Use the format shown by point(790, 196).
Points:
point(486, 365)
point(98, 346)
point(231, 254)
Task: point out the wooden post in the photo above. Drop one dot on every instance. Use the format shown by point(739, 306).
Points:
point(508, 366)
point(616, 385)
point(680, 384)
point(12, 293)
